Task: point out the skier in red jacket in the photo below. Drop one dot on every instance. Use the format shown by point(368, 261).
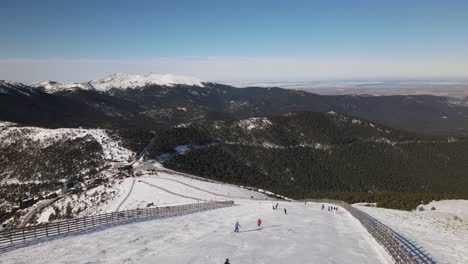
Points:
point(259, 222)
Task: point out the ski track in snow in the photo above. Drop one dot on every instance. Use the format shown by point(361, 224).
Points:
point(171, 192)
point(126, 197)
point(213, 193)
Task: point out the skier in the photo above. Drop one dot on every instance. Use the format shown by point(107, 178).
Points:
point(337, 209)
point(276, 206)
point(273, 206)
point(285, 212)
point(236, 227)
point(227, 261)
point(323, 207)
point(259, 222)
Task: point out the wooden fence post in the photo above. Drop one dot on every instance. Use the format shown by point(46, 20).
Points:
point(47, 230)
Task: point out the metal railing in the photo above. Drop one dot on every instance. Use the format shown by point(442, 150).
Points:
point(13, 236)
point(401, 249)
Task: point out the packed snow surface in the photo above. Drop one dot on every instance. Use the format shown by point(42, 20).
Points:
point(443, 232)
point(305, 235)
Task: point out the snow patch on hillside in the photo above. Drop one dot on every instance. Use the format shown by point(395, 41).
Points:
point(254, 123)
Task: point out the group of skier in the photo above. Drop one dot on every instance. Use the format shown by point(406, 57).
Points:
point(237, 225)
point(259, 221)
point(330, 208)
point(275, 207)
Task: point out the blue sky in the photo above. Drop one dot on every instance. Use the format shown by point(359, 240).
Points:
point(354, 38)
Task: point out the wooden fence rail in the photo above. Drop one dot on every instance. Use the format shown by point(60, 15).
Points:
point(11, 236)
point(401, 249)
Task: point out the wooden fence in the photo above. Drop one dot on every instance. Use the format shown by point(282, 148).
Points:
point(12, 236)
point(401, 249)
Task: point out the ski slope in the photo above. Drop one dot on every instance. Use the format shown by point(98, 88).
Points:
point(442, 232)
point(305, 235)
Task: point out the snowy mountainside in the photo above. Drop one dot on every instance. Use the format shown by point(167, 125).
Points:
point(35, 160)
point(53, 86)
point(441, 227)
point(10, 83)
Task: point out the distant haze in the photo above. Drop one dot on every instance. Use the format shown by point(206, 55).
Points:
point(457, 89)
point(231, 69)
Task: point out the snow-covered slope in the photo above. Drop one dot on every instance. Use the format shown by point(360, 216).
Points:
point(442, 232)
point(304, 235)
point(119, 81)
point(158, 188)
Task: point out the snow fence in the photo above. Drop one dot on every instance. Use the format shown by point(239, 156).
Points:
point(14, 236)
point(401, 249)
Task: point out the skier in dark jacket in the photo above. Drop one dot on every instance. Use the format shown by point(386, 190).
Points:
point(236, 227)
point(285, 212)
point(227, 261)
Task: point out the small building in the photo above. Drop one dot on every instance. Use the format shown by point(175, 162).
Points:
point(68, 186)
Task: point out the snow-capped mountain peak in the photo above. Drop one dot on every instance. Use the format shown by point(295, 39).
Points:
point(123, 80)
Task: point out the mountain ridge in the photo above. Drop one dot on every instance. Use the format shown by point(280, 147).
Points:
point(118, 81)
point(162, 105)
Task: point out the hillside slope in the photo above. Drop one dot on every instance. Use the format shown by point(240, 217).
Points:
point(35, 161)
point(299, 154)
